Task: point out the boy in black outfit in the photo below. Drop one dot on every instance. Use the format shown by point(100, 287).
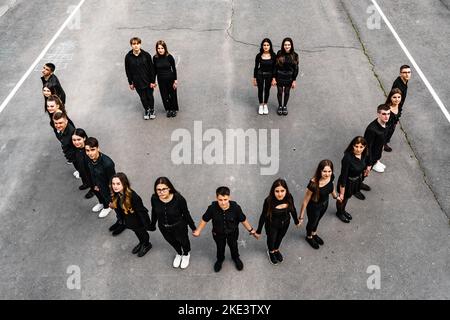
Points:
point(49, 79)
point(64, 131)
point(141, 76)
point(225, 215)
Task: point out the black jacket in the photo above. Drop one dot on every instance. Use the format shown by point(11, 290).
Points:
point(81, 163)
point(351, 167)
point(101, 172)
point(375, 136)
point(53, 81)
point(165, 67)
point(67, 146)
point(137, 219)
point(172, 213)
point(140, 69)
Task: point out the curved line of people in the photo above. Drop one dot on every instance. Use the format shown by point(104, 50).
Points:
point(169, 208)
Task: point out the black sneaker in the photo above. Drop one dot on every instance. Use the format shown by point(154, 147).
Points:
point(169, 114)
point(347, 215)
point(312, 242)
point(118, 230)
point(272, 258)
point(279, 256)
point(238, 263)
point(365, 187)
point(387, 148)
point(83, 187)
point(318, 239)
point(144, 249)
point(114, 226)
point(342, 217)
point(285, 112)
point(359, 195)
point(218, 266)
point(280, 110)
point(174, 113)
point(136, 249)
point(89, 195)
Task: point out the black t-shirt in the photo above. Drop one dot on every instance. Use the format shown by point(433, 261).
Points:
point(324, 192)
point(171, 213)
point(351, 167)
point(399, 84)
point(224, 221)
point(375, 136)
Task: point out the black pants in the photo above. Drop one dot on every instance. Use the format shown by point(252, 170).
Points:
point(222, 240)
point(102, 199)
point(168, 94)
point(143, 236)
point(315, 212)
point(283, 90)
point(146, 95)
point(177, 237)
point(390, 131)
point(275, 235)
point(264, 84)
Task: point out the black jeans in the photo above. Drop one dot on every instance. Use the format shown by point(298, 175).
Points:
point(102, 199)
point(390, 131)
point(146, 95)
point(275, 235)
point(143, 236)
point(221, 241)
point(177, 237)
point(286, 91)
point(168, 94)
point(315, 212)
point(264, 84)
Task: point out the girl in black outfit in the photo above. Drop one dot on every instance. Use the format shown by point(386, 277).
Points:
point(354, 166)
point(316, 200)
point(393, 101)
point(128, 205)
point(285, 74)
point(275, 216)
point(263, 73)
point(81, 161)
point(170, 210)
point(167, 78)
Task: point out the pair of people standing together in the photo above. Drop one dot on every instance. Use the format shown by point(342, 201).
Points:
point(142, 71)
point(279, 70)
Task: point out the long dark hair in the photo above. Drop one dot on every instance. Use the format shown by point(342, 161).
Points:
point(389, 97)
point(166, 181)
point(318, 176)
point(261, 50)
point(58, 102)
point(355, 141)
point(164, 45)
point(281, 55)
point(81, 133)
point(52, 91)
point(271, 199)
point(127, 192)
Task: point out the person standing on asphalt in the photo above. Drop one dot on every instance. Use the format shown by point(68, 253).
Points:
point(285, 74)
point(375, 136)
point(170, 210)
point(402, 83)
point(393, 101)
point(81, 161)
point(315, 200)
point(277, 207)
point(263, 73)
point(102, 169)
point(140, 72)
point(226, 216)
point(166, 72)
point(128, 205)
point(354, 166)
point(64, 132)
point(50, 79)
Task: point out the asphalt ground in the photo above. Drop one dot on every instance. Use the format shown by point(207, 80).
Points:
point(402, 226)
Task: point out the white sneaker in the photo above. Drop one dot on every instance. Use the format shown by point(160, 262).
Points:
point(76, 174)
point(261, 109)
point(152, 114)
point(104, 212)
point(384, 166)
point(185, 261)
point(97, 207)
point(265, 109)
point(378, 167)
point(177, 261)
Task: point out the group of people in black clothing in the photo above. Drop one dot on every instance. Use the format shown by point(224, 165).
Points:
point(169, 208)
point(279, 70)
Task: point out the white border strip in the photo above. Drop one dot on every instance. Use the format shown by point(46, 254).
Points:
point(419, 71)
point(39, 58)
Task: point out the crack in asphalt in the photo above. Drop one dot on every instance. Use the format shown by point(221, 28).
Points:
point(421, 167)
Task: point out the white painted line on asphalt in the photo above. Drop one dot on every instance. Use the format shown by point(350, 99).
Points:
point(419, 71)
point(39, 58)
